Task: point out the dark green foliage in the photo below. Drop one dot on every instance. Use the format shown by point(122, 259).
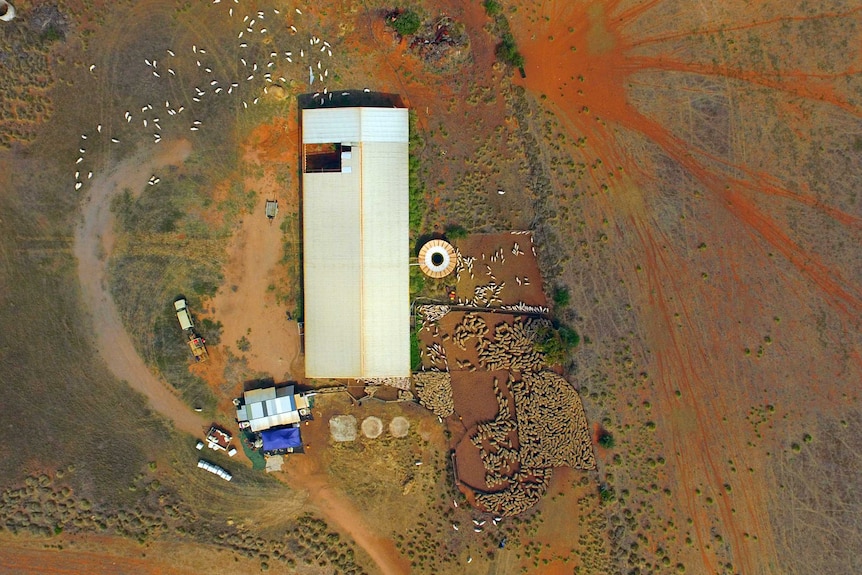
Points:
point(606, 493)
point(556, 343)
point(492, 7)
point(508, 52)
point(417, 202)
point(606, 439)
point(568, 336)
point(455, 232)
point(561, 296)
point(406, 23)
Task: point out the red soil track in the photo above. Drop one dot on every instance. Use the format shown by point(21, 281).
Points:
point(584, 57)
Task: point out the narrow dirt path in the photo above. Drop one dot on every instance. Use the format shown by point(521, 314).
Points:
point(93, 243)
point(338, 509)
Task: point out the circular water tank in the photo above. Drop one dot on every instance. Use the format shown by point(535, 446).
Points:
point(7, 11)
point(437, 259)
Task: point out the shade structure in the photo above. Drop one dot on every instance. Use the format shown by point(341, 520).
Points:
point(355, 242)
point(281, 438)
point(437, 258)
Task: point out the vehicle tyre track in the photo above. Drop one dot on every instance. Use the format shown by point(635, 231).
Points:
point(93, 244)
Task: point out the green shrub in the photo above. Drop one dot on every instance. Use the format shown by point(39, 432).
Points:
point(508, 52)
point(569, 337)
point(406, 23)
point(606, 439)
point(606, 493)
point(561, 296)
point(455, 232)
point(556, 344)
point(492, 7)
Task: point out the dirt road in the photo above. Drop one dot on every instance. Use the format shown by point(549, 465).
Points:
point(93, 242)
point(338, 509)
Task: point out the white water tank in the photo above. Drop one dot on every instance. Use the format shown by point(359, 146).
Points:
point(7, 11)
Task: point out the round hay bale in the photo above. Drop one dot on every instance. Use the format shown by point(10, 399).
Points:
point(399, 426)
point(372, 427)
point(343, 428)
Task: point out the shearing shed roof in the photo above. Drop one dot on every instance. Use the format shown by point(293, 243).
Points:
point(355, 244)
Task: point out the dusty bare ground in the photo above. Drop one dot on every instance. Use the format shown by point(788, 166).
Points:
point(93, 243)
point(247, 302)
point(713, 257)
point(102, 554)
point(310, 472)
point(246, 306)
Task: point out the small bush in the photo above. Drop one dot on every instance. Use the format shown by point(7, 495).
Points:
point(508, 52)
point(606, 439)
point(406, 23)
point(492, 7)
point(606, 493)
point(561, 296)
point(455, 232)
point(243, 344)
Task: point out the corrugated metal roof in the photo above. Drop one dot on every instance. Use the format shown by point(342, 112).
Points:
point(351, 125)
point(269, 407)
point(356, 252)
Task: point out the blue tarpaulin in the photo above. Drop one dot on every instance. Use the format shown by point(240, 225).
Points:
point(281, 438)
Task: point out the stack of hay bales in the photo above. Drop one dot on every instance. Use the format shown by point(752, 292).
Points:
point(434, 389)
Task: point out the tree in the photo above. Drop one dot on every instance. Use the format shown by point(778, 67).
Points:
point(606, 439)
point(507, 51)
point(405, 23)
point(561, 296)
point(492, 7)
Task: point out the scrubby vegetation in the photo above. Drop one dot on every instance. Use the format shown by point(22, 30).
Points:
point(492, 7)
point(406, 22)
point(556, 343)
point(45, 507)
point(507, 51)
point(417, 199)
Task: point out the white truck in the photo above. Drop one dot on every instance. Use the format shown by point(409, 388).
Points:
point(183, 314)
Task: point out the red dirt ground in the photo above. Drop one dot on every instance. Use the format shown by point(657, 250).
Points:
point(627, 77)
point(246, 304)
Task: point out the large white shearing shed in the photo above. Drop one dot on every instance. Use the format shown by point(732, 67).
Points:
point(355, 242)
